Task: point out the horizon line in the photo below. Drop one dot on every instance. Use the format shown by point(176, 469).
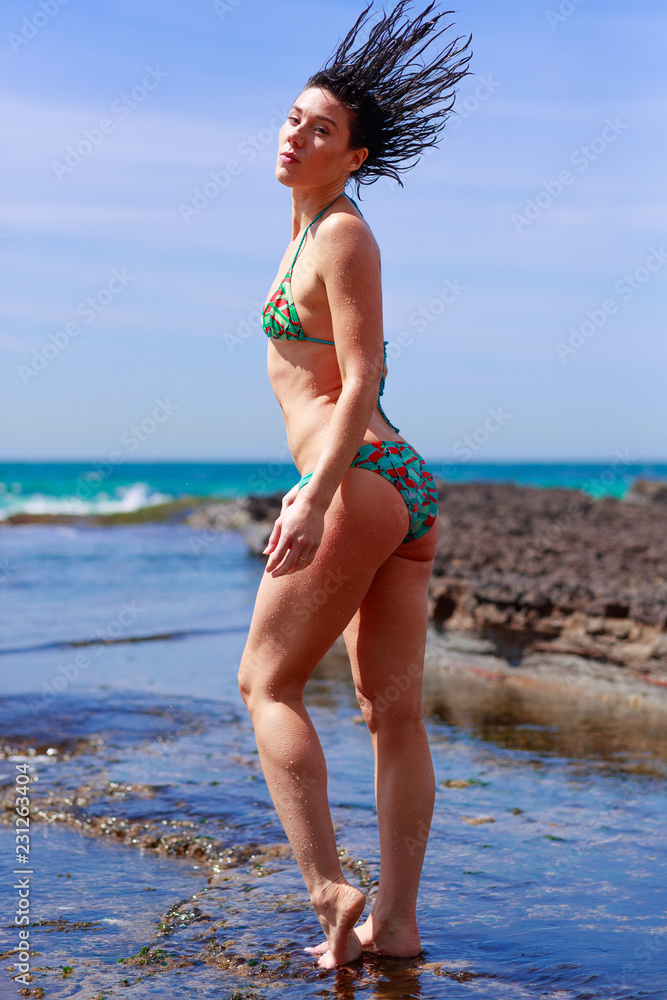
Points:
point(273, 459)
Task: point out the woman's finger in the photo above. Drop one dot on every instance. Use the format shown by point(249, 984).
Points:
point(287, 564)
point(276, 552)
point(306, 557)
point(276, 557)
point(294, 550)
point(280, 551)
point(273, 537)
point(290, 497)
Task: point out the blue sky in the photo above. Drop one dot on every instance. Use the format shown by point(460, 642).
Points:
point(524, 262)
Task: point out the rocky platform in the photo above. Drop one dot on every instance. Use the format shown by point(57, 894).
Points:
point(555, 570)
point(534, 570)
point(528, 571)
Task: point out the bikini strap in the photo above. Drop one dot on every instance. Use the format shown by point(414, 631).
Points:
point(305, 232)
point(355, 204)
point(384, 362)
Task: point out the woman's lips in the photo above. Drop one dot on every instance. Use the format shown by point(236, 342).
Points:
point(289, 158)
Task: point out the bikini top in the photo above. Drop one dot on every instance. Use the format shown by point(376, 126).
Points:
point(280, 320)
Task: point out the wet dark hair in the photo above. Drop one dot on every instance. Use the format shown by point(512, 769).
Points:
point(398, 103)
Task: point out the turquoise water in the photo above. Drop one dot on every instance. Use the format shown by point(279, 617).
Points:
point(105, 487)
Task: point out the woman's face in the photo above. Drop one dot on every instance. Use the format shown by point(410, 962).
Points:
point(313, 146)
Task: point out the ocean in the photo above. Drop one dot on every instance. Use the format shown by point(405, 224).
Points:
point(105, 487)
point(155, 863)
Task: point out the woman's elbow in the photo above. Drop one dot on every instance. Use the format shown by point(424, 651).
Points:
point(362, 384)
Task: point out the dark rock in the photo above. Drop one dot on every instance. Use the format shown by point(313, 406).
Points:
point(263, 507)
point(535, 568)
point(647, 491)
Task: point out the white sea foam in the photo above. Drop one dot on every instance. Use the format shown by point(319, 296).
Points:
point(123, 500)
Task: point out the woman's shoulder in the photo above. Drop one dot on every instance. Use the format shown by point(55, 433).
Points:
point(345, 232)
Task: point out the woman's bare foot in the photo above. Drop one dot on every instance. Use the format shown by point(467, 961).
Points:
point(399, 941)
point(338, 908)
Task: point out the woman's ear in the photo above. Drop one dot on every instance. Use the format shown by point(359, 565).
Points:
point(357, 157)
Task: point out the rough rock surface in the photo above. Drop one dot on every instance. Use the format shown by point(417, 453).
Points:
point(647, 491)
point(555, 569)
point(531, 570)
point(544, 570)
point(253, 516)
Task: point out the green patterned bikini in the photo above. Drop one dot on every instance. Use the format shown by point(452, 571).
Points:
point(396, 461)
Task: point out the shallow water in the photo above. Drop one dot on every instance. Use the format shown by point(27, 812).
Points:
point(180, 881)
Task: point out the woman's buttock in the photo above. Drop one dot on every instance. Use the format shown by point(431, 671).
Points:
point(377, 493)
point(413, 494)
point(403, 467)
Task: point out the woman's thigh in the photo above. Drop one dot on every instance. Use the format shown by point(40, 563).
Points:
point(298, 616)
point(386, 637)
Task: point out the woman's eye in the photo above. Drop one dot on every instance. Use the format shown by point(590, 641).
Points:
point(324, 131)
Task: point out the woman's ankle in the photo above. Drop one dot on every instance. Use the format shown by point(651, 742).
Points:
point(326, 890)
point(392, 919)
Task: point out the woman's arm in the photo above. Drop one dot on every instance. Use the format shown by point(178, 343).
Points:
point(349, 266)
point(348, 263)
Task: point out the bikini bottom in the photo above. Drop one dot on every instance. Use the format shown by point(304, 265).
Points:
point(404, 468)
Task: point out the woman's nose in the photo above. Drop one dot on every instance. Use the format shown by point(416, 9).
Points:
point(293, 135)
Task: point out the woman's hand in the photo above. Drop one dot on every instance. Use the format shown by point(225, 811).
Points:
point(296, 535)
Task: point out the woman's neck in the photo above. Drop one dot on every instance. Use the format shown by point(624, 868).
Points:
point(307, 205)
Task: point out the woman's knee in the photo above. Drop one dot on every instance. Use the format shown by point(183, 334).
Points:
point(397, 704)
point(245, 682)
point(264, 678)
point(252, 677)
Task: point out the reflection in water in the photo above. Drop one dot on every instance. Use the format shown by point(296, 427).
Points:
point(622, 736)
point(580, 723)
point(545, 871)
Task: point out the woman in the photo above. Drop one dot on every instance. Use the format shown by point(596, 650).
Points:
point(353, 547)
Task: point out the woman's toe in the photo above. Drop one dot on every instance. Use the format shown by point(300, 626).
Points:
point(319, 949)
